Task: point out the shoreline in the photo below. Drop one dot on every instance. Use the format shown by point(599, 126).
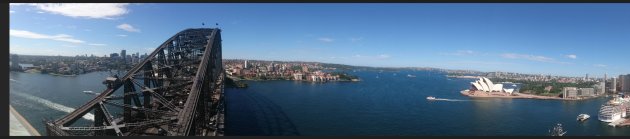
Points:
point(475, 94)
point(463, 77)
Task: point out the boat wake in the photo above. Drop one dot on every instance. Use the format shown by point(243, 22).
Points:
point(443, 99)
point(53, 105)
point(13, 80)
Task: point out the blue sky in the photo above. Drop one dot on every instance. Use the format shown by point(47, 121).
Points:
point(556, 39)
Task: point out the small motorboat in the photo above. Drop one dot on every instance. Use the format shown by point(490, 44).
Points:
point(88, 91)
point(583, 117)
point(411, 76)
point(430, 98)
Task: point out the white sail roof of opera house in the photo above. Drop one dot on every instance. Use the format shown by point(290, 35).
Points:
point(484, 84)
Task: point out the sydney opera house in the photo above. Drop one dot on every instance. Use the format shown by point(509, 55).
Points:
point(485, 85)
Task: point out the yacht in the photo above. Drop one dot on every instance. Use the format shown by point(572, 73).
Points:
point(583, 117)
point(430, 98)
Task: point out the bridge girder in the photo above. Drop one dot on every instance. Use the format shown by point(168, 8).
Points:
point(168, 93)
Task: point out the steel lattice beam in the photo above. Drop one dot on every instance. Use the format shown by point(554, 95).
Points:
point(169, 90)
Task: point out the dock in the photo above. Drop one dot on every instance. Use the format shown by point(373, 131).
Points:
point(620, 123)
point(18, 126)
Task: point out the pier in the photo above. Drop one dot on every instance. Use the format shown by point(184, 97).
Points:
point(620, 123)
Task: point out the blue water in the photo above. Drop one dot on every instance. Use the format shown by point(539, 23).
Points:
point(388, 105)
point(397, 105)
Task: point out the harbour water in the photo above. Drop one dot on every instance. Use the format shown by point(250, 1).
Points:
point(392, 104)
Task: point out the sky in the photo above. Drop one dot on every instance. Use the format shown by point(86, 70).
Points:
point(551, 39)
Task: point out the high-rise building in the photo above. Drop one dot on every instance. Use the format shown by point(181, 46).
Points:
point(624, 83)
point(605, 76)
point(613, 86)
point(15, 62)
point(123, 54)
point(602, 88)
point(586, 78)
point(245, 64)
point(113, 55)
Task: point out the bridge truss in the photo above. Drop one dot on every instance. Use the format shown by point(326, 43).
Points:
point(176, 91)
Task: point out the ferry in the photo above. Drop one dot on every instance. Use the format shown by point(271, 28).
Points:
point(583, 117)
point(430, 98)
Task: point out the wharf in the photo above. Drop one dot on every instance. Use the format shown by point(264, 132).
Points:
point(620, 123)
point(19, 126)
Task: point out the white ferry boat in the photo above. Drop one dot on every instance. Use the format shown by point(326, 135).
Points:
point(583, 117)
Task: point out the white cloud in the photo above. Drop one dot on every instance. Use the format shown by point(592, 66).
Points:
point(33, 35)
point(572, 56)
point(86, 10)
point(531, 57)
point(71, 46)
point(127, 27)
point(11, 11)
point(121, 35)
point(40, 12)
point(97, 44)
point(600, 65)
point(326, 39)
point(356, 56)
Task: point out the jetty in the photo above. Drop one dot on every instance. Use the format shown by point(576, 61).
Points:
point(620, 123)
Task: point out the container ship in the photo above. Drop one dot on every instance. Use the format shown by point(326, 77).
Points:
point(615, 109)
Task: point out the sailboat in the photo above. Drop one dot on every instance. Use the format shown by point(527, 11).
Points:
point(557, 130)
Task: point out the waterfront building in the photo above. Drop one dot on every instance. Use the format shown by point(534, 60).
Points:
point(569, 92)
point(304, 69)
point(485, 85)
point(15, 62)
point(600, 88)
point(586, 92)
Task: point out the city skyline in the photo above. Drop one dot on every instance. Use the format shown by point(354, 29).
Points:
point(556, 39)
